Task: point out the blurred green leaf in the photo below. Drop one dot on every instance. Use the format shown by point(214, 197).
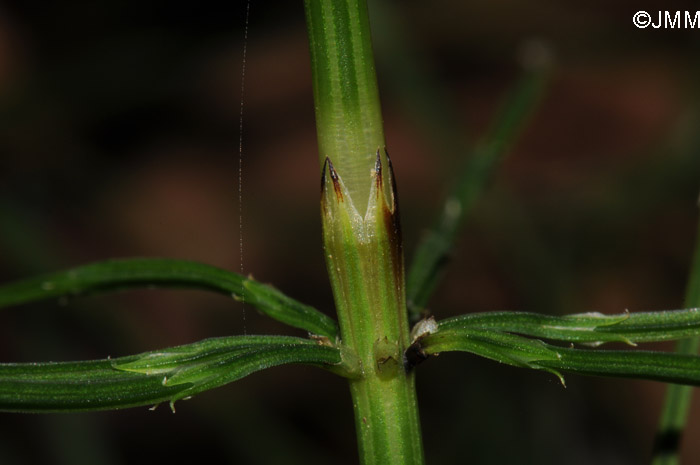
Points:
point(116, 275)
point(152, 377)
point(589, 328)
point(432, 253)
point(532, 353)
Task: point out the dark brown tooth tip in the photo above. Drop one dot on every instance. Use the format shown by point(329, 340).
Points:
point(331, 169)
point(392, 222)
point(336, 181)
point(378, 172)
point(394, 192)
point(323, 174)
point(388, 161)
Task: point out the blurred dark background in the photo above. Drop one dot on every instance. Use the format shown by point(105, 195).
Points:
point(119, 137)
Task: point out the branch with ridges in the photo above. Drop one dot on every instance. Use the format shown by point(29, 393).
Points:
point(532, 353)
point(117, 275)
point(589, 328)
point(150, 378)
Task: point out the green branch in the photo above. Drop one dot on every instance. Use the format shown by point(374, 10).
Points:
point(117, 275)
point(532, 353)
point(150, 378)
point(589, 328)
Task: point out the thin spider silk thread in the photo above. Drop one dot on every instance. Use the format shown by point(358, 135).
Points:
point(240, 154)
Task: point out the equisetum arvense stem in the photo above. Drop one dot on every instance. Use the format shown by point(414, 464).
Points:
point(362, 236)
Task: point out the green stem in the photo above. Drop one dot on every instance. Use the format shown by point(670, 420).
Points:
point(677, 401)
point(346, 96)
point(362, 239)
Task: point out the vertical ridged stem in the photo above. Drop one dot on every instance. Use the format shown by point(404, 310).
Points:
point(362, 239)
point(677, 401)
point(346, 97)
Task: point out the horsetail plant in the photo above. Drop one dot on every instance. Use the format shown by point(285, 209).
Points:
point(372, 345)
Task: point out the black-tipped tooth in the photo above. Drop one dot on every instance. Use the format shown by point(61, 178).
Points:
point(394, 192)
point(331, 170)
point(334, 177)
point(378, 171)
point(378, 163)
point(323, 173)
